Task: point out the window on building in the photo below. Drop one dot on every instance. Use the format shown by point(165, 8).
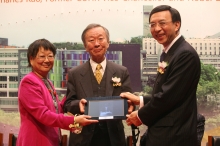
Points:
point(13, 85)
point(11, 62)
point(9, 70)
point(14, 54)
point(8, 102)
point(3, 94)
point(2, 62)
point(23, 55)
point(2, 54)
point(25, 70)
point(13, 78)
point(13, 94)
point(15, 62)
point(14, 102)
point(3, 85)
point(24, 63)
point(3, 78)
point(7, 54)
point(14, 70)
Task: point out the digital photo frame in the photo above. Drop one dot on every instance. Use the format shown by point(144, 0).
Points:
point(105, 108)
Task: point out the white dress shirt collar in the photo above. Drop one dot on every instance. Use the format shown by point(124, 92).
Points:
point(94, 64)
point(171, 44)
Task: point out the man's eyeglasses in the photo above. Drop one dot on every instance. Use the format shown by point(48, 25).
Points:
point(160, 24)
point(42, 57)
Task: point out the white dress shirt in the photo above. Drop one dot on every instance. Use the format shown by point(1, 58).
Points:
point(94, 64)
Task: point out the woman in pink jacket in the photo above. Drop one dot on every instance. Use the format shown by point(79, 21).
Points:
point(40, 110)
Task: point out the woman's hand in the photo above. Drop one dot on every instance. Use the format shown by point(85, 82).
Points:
point(84, 120)
point(82, 103)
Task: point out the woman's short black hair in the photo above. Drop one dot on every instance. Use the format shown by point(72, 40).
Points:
point(36, 45)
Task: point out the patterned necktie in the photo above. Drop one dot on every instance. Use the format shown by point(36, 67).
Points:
point(98, 74)
point(162, 56)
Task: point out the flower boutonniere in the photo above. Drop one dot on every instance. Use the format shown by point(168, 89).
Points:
point(162, 67)
point(116, 81)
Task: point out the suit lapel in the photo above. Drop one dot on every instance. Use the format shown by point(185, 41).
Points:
point(170, 53)
point(173, 49)
point(86, 80)
point(110, 72)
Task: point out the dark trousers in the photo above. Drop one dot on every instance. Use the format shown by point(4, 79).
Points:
point(101, 136)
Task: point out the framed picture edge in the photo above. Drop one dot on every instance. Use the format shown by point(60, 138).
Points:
point(93, 102)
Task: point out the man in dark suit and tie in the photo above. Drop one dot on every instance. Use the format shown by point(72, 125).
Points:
point(171, 112)
point(82, 84)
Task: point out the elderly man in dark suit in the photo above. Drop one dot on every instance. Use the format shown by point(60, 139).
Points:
point(171, 113)
point(82, 84)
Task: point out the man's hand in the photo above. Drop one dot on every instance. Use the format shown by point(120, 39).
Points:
point(133, 119)
point(82, 103)
point(133, 98)
point(131, 106)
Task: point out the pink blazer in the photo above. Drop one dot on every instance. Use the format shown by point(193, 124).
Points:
point(39, 120)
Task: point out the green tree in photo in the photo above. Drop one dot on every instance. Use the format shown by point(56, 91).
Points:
point(209, 81)
point(69, 46)
point(148, 89)
point(137, 40)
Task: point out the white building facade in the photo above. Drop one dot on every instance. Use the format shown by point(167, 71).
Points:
point(13, 65)
point(207, 49)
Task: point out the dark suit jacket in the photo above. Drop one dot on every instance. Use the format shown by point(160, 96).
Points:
point(171, 114)
point(80, 86)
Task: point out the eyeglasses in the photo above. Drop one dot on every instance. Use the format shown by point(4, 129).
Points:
point(49, 57)
point(160, 24)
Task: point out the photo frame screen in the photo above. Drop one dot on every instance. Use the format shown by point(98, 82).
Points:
point(113, 107)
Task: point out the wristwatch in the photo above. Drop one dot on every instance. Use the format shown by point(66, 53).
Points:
point(76, 127)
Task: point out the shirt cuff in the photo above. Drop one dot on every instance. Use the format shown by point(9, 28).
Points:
point(141, 102)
